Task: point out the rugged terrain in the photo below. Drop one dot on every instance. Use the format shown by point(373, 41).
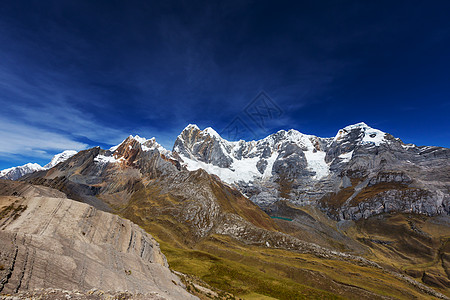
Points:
point(50, 241)
point(359, 173)
point(208, 228)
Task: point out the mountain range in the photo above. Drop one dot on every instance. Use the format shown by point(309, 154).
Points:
point(15, 173)
point(360, 215)
point(365, 170)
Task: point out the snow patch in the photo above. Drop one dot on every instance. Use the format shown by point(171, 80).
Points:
point(141, 140)
point(346, 157)
point(240, 170)
point(373, 136)
point(246, 155)
point(270, 161)
point(146, 145)
point(316, 163)
point(102, 159)
point(212, 133)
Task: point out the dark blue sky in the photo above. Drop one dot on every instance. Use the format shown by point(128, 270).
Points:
point(75, 74)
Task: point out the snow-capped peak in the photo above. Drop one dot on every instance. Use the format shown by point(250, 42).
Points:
point(60, 158)
point(212, 133)
point(17, 172)
point(369, 135)
point(138, 138)
point(146, 144)
point(242, 160)
point(191, 126)
point(357, 125)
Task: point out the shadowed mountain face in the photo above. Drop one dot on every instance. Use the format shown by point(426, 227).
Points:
point(209, 229)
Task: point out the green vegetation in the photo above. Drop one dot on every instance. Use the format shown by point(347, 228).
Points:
point(417, 245)
point(253, 272)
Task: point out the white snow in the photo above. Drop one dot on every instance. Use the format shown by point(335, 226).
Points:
point(407, 146)
point(212, 133)
point(241, 170)
point(146, 145)
point(27, 168)
point(244, 169)
point(315, 159)
point(357, 125)
point(114, 148)
point(346, 157)
point(139, 139)
point(370, 135)
point(33, 167)
point(270, 161)
point(191, 126)
point(63, 156)
point(316, 163)
point(136, 137)
point(102, 159)
point(373, 136)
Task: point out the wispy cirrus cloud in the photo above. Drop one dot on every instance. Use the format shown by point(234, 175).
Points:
point(20, 139)
point(42, 114)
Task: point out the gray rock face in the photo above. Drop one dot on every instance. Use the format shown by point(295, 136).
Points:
point(390, 177)
point(206, 146)
point(48, 242)
point(384, 174)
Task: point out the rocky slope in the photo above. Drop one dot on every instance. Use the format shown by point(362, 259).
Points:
point(115, 176)
point(49, 241)
point(360, 172)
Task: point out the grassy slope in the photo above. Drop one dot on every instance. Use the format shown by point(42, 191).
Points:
point(249, 271)
point(412, 243)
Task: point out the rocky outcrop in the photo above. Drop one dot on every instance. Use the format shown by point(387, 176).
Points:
point(48, 242)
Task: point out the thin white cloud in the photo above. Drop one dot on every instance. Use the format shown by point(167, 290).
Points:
point(46, 113)
point(20, 139)
point(63, 116)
